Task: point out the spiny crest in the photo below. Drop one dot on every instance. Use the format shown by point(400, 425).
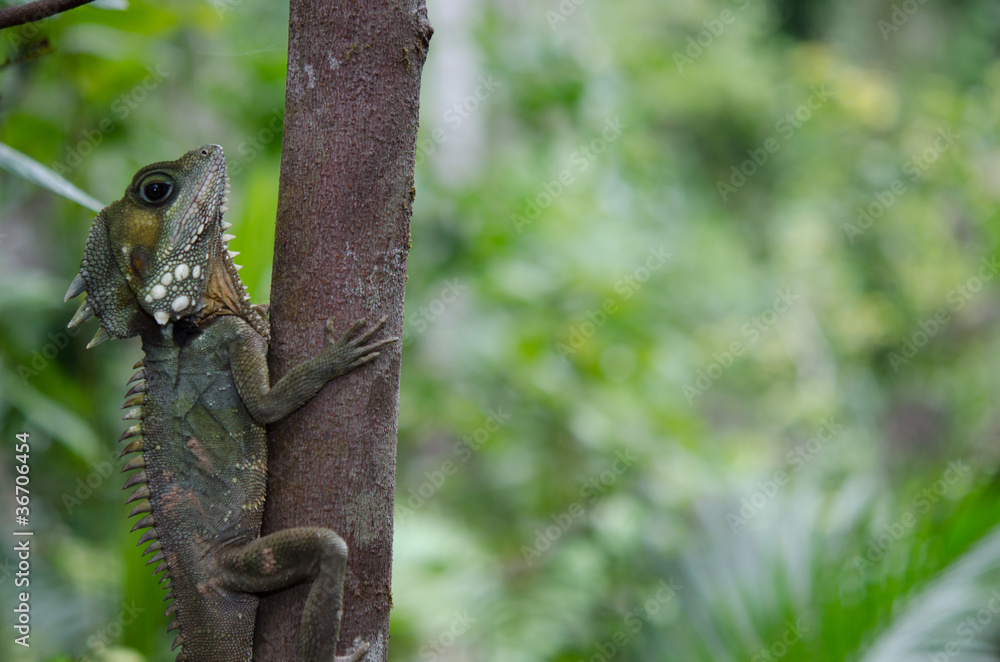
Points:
point(142, 494)
point(161, 251)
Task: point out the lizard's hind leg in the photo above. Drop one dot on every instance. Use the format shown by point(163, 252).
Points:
point(289, 557)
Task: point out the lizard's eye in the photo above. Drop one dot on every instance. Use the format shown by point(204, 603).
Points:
point(155, 189)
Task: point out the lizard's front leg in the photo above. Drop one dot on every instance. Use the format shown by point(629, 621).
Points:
point(285, 558)
point(268, 404)
point(288, 557)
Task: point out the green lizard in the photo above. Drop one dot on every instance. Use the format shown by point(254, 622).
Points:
point(157, 265)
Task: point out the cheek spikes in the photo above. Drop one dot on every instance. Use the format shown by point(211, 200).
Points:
point(101, 336)
point(76, 288)
point(82, 315)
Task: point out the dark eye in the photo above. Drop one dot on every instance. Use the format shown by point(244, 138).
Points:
point(155, 191)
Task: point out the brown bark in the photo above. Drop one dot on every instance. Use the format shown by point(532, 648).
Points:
point(36, 11)
point(341, 244)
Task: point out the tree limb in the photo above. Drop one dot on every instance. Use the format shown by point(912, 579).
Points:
point(341, 243)
point(36, 11)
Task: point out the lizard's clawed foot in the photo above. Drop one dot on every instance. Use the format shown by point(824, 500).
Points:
point(358, 653)
point(356, 350)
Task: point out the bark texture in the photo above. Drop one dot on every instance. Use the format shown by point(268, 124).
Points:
point(341, 243)
point(35, 11)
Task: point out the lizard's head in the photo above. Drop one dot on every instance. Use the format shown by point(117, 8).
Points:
point(160, 251)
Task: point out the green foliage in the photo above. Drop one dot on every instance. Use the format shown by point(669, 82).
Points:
point(699, 353)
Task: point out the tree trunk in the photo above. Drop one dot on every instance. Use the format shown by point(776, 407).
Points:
point(341, 242)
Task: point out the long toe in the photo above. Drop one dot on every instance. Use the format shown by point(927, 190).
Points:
point(358, 653)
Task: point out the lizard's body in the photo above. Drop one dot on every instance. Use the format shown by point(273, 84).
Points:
point(211, 499)
point(157, 265)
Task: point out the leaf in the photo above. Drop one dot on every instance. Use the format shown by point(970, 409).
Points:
point(945, 620)
point(50, 416)
point(24, 166)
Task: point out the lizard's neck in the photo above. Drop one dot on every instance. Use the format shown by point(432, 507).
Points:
point(225, 294)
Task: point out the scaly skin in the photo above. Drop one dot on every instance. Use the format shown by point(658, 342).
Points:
point(157, 265)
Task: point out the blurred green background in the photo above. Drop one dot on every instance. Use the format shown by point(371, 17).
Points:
point(701, 356)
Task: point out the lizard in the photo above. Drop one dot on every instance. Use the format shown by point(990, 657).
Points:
point(157, 264)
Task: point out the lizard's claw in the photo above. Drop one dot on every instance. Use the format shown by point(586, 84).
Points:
point(331, 332)
point(375, 329)
point(356, 350)
point(358, 653)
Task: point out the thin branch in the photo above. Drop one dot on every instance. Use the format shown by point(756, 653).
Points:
point(36, 11)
